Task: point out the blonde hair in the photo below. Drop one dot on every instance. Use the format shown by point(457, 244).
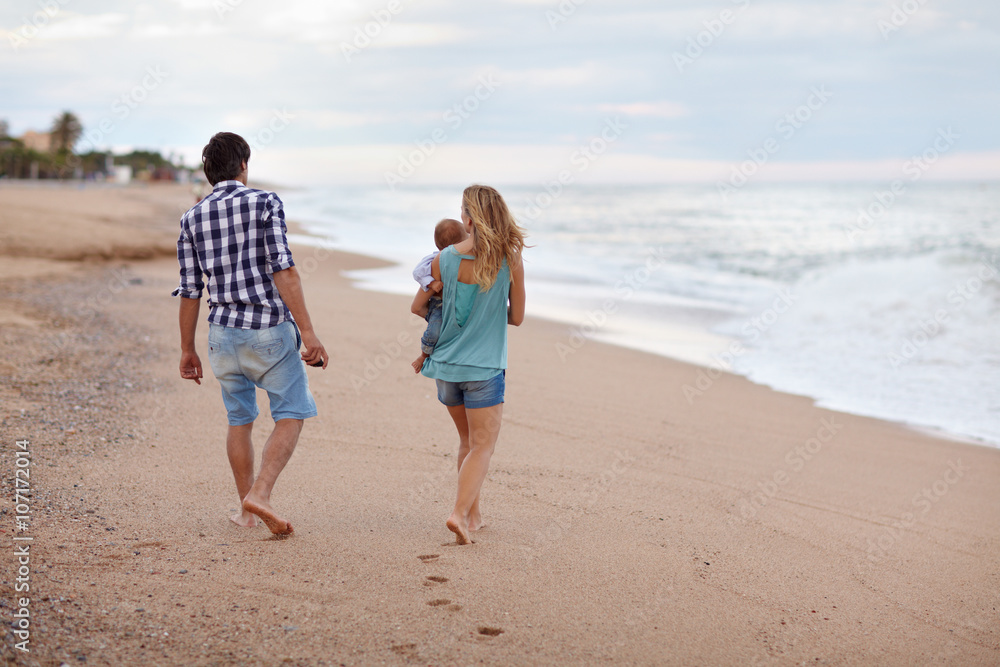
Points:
point(495, 234)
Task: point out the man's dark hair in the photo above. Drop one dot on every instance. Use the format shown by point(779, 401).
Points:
point(224, 156)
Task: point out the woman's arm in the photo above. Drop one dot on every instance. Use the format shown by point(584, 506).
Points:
point(515, 313)
point(419, 305)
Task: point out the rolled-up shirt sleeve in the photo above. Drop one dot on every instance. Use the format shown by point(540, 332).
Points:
point(279, 257)
point(422, 272)
point(191, 284)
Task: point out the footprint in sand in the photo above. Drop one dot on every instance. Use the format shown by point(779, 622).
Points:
point(447, 604)
point(429, 558)
point(487, 631)
point(434, 580)
point(406, 650)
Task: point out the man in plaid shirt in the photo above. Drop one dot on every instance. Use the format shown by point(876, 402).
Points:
point(233, 242)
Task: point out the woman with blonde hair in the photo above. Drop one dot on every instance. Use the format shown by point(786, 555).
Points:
point(483, 292)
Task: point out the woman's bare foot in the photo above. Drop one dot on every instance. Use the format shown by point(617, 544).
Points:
point(461, 532)
point(419, 363)
point(262, 508)
point(476, 523)
point(244, 519)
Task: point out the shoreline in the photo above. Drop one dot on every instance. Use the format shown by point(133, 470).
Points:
point(623, 341)
point(623, 524)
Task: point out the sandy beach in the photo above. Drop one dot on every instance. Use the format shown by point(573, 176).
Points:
point(626, 524)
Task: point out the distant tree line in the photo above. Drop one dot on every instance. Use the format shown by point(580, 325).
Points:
point(61, 161)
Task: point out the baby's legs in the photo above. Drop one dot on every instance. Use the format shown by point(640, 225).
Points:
point(431, 334)
point(418, 363)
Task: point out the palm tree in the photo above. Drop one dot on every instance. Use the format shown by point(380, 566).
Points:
point(66, 130)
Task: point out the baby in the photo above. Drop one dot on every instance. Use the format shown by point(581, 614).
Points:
point(427, 303)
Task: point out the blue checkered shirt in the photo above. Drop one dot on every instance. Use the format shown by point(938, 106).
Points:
point(233, 240)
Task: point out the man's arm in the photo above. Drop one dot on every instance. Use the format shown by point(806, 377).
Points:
point(289, 286)
point(189, 290)
point(188, 316)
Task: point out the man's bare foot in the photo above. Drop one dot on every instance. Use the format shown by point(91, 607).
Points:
point(461, 534)
point(419, 363)
point(244, 519)
point(275, 523)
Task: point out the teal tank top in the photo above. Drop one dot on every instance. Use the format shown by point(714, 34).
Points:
point(473, 341)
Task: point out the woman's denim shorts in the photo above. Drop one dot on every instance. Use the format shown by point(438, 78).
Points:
point(244, 359)
point(474, 394)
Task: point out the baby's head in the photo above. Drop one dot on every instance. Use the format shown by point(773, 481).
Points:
point(449, 232)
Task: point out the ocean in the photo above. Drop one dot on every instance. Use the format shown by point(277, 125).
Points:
point(870, 301)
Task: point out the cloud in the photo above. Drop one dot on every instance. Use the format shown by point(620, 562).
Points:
point(530, 164)
point(555, 87)
point(400, 35)
point(656, 109)
point(196, 4)
point(555, 77)
point(66, 26)
point(178, 30)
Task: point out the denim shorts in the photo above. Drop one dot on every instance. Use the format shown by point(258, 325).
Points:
point(244, 359)
point(474, 394)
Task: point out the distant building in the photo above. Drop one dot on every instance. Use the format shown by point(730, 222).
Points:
point(37, 141)
point(122, 174)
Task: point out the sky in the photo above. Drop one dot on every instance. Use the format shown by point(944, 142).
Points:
point(523, 91)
